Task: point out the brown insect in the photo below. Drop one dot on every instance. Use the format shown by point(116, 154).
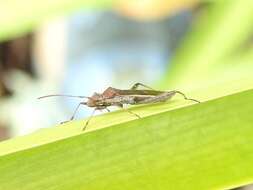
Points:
point(116, 97)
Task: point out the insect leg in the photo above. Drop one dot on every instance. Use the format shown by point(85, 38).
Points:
point(136, 85)
point(87, 122)
point(178, 92)
point(163, 97)
point(73, 116)
point(133, 113)
point(129, 111)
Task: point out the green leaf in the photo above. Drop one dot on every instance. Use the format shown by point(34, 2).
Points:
point(175, 145)
point(218, 38)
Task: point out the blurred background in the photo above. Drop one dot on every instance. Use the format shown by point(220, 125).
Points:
point(80, 47)
point(86, 51)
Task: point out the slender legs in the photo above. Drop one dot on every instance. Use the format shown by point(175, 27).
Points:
point(178, 92)
point(93, 112)
point(87, 122)
point(121, 106)
point(73, 116)
point(136, 85)
point(161, 97)
point(164, 97)
point(129, 111)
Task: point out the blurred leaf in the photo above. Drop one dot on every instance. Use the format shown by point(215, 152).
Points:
point(18, 17)
point(220, 35)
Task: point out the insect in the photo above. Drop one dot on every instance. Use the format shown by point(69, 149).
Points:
point(117, 97)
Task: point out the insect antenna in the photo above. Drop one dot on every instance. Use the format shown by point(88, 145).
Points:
point(52, 95)
point(185, 97)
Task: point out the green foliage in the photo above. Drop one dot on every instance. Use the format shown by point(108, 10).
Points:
point(200, 146)
point(217, 50)
point(175, 145)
